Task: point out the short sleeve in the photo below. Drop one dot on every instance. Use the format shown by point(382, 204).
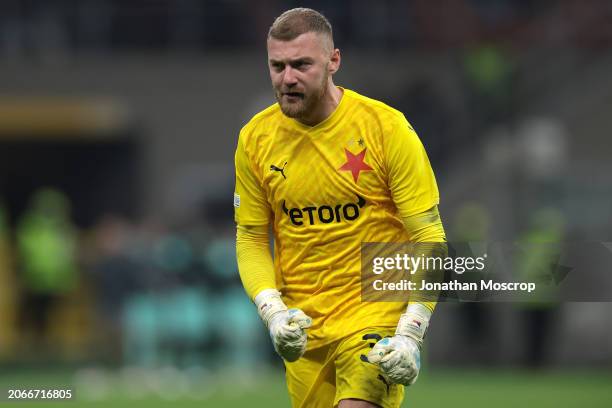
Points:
point(250, 204)
point(410, 177)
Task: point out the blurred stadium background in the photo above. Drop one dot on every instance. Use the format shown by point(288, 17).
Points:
point(118, 123)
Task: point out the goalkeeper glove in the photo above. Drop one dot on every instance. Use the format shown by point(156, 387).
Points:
point(399, 357)
point(286, 326)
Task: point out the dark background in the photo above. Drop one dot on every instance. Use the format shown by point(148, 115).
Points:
point(126, 115)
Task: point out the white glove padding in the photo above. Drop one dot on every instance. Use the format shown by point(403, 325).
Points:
point(287, 330)
point(398, 357)
point(286, 326)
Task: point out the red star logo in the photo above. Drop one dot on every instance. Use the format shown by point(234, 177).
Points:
point(355, 164)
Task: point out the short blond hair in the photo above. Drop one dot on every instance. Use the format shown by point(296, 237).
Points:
point(295, 22)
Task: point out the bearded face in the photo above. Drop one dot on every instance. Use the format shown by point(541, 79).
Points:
point(299, 70)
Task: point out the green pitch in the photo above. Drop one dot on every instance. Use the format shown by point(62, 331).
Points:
point(436, 388)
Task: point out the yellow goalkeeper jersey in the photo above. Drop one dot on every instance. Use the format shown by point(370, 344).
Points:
point(326, 189)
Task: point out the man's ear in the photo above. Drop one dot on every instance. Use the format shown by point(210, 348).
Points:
point(334, 62)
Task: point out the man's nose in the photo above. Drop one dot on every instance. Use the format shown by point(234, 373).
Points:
point(289, 78)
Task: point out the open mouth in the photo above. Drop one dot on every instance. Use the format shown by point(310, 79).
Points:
point(294, 94)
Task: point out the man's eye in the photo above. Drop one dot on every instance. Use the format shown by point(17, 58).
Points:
point(301, 65)
point(277, 67)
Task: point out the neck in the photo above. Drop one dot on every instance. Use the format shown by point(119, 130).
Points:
point(326, 106)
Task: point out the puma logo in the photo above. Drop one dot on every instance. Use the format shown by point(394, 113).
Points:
point(281, 170)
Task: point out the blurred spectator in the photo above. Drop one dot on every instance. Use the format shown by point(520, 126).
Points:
point(543, 146)
point(47, 245)
point(538, 263)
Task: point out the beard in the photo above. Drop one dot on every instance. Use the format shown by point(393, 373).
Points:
point(305, 104)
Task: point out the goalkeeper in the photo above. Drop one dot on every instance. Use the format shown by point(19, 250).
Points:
point(326, 169)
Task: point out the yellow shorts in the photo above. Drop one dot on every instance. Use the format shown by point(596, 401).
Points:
point(324, 376)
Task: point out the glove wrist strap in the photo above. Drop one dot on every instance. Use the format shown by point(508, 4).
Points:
point(269, 303)
point(414, 323)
